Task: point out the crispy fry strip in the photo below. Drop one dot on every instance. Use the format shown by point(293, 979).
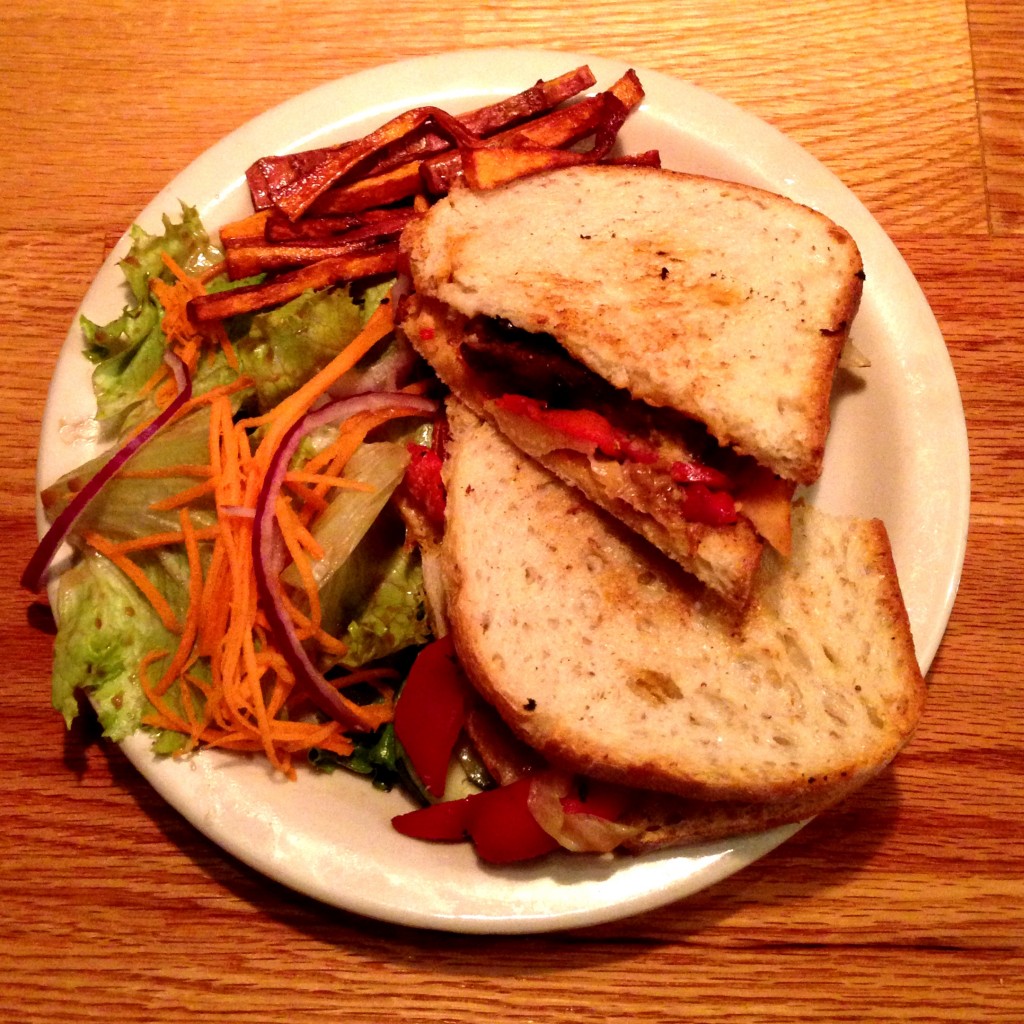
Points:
point(291, 285)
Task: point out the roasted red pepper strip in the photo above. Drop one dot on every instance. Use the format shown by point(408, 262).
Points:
point(585, 425)
point(502, 828)
point(698, 473)
point(431, 712)
point(423, 482)
point(499, 821)
point(700, 504)
point(580, 424)
point(444, 822)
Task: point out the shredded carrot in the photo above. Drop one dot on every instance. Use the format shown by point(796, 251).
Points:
point(212, 272)
point(333, 457)
point(184, 655)
point(251, 701)
point(208, 397)
point(342, 482)
point(186, 338)
point(313, 503)
point(292, 526)
point(329, 644)
point(139, 578)
point(295, 542)
point(157, 540)
point(184, 497)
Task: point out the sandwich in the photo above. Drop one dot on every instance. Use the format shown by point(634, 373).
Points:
point(662, 342)
point(609, 663)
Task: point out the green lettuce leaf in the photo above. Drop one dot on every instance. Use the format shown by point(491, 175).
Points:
point(377, 756)
point(106, 628)
point(122, 509)
point(286, 346)
point(129, 349)
point(393, 612)
point(185, 241)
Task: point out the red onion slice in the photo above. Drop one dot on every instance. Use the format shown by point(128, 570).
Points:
point(34, 575)
point(269, 553)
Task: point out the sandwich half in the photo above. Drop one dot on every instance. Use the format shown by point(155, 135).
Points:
point(606, 660)
point(665, 343)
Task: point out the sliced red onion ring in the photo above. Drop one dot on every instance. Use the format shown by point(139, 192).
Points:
point(34, 575)
point(269, 553)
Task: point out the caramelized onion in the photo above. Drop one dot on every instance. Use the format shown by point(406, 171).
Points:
point(580, 832)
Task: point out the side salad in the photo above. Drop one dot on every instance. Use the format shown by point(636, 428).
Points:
point(255, 555)
point(168, 621)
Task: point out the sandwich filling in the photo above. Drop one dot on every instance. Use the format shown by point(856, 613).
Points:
point(651, 458)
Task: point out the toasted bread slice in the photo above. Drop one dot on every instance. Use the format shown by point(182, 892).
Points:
point(603, 657)
point(721, 301)
point(723, 557)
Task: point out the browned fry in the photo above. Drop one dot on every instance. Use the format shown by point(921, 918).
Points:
point(280, 229)
point(247, 231)
point(270, 174)
point(284, 288)
point(648, 158)
point(533, 101)
point(297, 196)
point(560, 128)
point(495, 117)
point(249, 260)
point(628, 89)
point(493, 166)
point(380, 190)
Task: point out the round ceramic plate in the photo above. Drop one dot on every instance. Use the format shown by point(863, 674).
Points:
point(898, 450)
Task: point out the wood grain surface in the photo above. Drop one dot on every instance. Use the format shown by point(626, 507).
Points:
point(904, 904)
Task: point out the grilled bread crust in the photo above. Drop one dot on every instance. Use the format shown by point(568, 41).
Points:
point(722, 301)
point(723, 557)
point(606, 659)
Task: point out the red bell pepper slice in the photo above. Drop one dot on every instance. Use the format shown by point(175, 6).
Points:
point(423, 482)
point(697, 473)
point(580, 424)
point(700, 504)
point(636, 450)
point(500, 823)
point(431, 712)
point(584, 425)
point(443, 822)
point(502, 828)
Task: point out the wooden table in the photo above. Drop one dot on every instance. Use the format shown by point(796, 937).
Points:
point(905, 904)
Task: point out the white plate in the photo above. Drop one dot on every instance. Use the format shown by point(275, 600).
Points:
point(898, 450)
